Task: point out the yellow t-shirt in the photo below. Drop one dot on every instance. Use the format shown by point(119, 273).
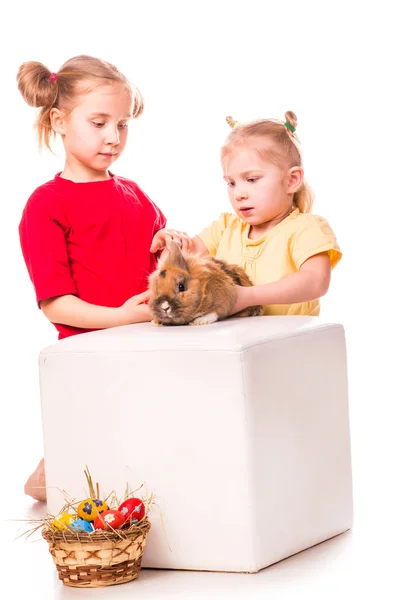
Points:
point(278, 253)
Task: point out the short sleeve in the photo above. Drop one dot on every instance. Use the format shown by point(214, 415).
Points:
point(313, 236)
point(211, 235)
point(160, 221)
point(43, 245)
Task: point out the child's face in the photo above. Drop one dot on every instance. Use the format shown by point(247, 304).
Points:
point(258, 189)
point(96, 131)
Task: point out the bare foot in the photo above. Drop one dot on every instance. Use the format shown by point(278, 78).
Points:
point(36, 484)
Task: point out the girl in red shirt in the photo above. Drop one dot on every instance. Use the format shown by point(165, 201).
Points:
point(86, 234)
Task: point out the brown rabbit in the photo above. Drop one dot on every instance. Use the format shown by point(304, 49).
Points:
point(195, 290)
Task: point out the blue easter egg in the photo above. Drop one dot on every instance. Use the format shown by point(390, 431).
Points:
point(81, 525)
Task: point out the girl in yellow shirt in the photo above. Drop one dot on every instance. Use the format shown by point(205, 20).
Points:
point(287, 252)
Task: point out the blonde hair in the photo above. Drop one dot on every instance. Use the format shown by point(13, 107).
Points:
point(46, 90)
point(285, 149)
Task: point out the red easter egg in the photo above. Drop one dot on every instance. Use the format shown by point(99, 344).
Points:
point(109, 519)
point(133, 510)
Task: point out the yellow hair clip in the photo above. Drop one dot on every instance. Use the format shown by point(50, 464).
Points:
point(232, 123)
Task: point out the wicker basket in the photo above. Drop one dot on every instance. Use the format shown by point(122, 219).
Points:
point(100, 558)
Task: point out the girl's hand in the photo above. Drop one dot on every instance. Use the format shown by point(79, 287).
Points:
point(244, 298)
point(163, 238)
point(135, 310)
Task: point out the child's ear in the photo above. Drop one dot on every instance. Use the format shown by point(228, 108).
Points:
point(295, 179)
point(57, 118)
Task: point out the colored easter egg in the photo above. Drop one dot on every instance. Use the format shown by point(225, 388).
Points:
point(91, 508)
point(109, 519)
point(81, 525)
point(63, 521)
point(133, 509)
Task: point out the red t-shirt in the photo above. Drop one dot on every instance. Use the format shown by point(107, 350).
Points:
point(89, 239)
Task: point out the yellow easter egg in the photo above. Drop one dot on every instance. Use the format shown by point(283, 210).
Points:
point(63, 521)
point(91, 508)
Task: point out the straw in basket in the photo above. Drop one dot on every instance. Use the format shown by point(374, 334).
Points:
point(99, 558)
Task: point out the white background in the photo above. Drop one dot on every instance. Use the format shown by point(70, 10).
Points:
point(336, 65)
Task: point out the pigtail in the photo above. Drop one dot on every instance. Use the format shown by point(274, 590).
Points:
point(231, 122)
point(138, 103)
point(36, 84)
point(39, 88)
point(290, 126)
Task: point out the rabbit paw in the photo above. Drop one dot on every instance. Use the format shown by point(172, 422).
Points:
point(156, 323)
point(205, 319)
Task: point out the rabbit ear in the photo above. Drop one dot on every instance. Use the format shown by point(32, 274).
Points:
point(175, 257)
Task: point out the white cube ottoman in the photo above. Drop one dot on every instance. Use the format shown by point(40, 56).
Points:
point(240, 429)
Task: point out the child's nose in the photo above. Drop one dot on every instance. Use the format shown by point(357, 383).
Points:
point(112, 136)
point(240, 194)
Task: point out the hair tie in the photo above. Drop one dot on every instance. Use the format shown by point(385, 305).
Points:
point(289, 126)
point(53, 77)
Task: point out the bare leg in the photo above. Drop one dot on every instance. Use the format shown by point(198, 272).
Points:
point(36, 484)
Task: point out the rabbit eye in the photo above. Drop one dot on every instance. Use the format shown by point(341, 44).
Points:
point(181, 287)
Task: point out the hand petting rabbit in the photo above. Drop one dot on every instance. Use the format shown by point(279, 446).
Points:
point(195, 290)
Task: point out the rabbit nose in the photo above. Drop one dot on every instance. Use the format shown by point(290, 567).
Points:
point(166, 307)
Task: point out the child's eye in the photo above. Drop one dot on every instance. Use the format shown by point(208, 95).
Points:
point(252, 179)
point(230, 183)
point(97, 124)
point(123, 125)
